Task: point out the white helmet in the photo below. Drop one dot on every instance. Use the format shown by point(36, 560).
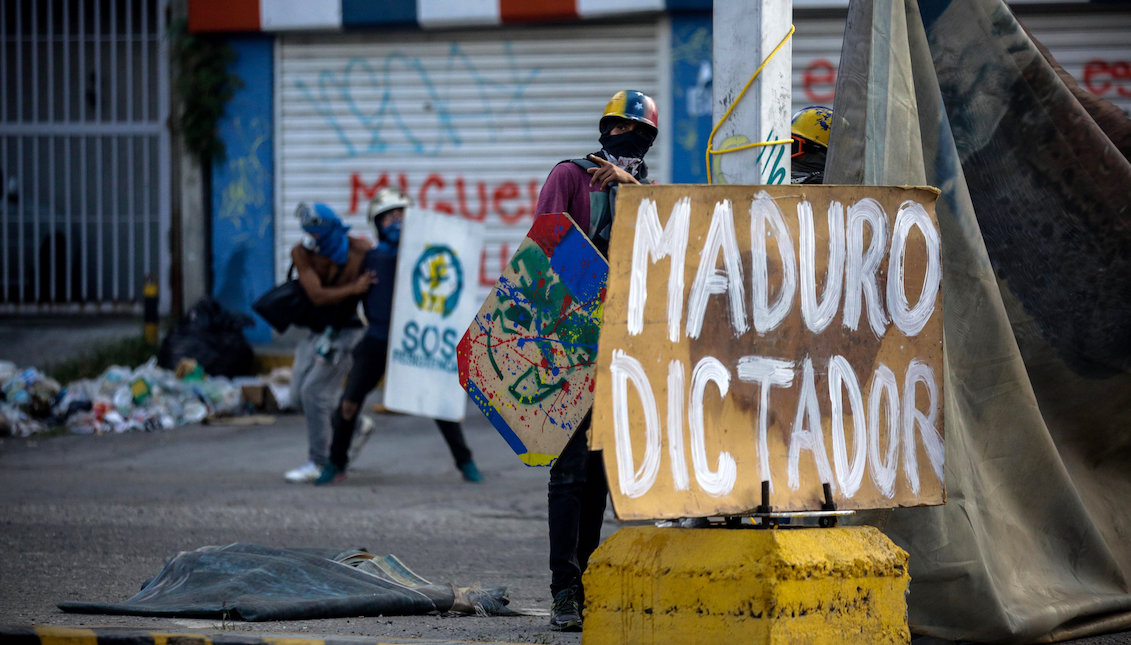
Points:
point(386, 200)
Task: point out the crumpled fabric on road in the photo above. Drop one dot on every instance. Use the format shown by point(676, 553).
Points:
point(251, 582)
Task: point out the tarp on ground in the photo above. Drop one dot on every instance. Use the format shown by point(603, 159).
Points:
point(1034, 542)
point(255, 583)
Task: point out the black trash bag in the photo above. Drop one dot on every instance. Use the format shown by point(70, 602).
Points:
point(213, 337)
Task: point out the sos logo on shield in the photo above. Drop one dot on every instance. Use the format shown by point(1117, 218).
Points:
point(437, 280)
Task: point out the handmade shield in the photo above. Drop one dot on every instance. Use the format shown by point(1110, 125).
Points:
point(432, 304)
point(527, 359)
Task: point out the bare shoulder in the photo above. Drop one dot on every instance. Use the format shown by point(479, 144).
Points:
point(300, 256)
point(362, 244)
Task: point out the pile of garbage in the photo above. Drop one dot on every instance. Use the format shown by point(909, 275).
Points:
point(121, 399)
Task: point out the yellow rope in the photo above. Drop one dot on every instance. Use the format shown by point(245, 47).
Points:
point(710, 149)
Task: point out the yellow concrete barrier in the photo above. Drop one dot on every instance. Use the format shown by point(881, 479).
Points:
point(49, 635)
point(801, 585)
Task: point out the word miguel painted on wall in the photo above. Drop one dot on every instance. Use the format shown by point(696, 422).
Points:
point(795, 338)
point(510, 202)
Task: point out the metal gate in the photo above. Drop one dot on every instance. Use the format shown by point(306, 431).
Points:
point(468, 122)
point(84, 153)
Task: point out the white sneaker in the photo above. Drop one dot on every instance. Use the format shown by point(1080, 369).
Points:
point(365, 427)
point(305, 473)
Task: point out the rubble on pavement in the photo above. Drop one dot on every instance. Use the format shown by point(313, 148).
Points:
point(122, 399)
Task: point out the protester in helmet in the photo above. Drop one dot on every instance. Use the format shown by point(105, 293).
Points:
point(810, 130)
point(328, 262)
point(585, 188)
point(386, 214)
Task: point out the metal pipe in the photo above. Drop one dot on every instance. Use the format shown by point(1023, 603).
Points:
point(164, 154)
point(34, 185)
point(69, 227)
point(147, 203)
point(112, 38)
point(4, 153)
point(96, 37)
point(128, 46)
point(19, 217)
point(84, 254)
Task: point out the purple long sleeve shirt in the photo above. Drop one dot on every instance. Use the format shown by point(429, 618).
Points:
point(567, 190)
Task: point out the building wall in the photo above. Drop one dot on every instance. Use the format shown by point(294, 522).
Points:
point(243, 217)
point(409, 105)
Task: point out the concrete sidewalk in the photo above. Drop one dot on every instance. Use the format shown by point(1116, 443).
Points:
point(43, 341)
point(39, 341)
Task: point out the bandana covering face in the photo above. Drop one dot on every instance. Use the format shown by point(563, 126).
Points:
point(626, 150)
point(626, 144)
point(329, 233)
point(391, 235)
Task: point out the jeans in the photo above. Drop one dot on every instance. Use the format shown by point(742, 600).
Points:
point(369, 358)
point(315, 384)
point(577, 494)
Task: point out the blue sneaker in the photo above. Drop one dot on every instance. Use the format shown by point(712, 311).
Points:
point(470, 472)
point(330, 474)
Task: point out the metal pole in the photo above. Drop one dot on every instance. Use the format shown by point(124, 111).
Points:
point(745, 33)
point(131, 186)
point(150, 295)
point(84, 163)
point(97, 37)
point(164, 161)
point(5, 165)
point(33, 185)
point(68, 227)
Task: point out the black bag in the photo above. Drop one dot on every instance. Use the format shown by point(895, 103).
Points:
point(213, 337)
point(288, 304)
point(284, 305)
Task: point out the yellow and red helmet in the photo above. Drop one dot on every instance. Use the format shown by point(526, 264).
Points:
point(635, 106)
point(810, 125)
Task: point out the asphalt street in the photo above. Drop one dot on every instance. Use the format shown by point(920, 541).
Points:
point(91, 518)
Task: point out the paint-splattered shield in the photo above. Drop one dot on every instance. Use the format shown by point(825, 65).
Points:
point(528, 358)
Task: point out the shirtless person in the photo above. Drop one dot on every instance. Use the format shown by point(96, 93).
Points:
point(328, 262)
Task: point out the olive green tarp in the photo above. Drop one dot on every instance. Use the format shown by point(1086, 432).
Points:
point(1034, 542)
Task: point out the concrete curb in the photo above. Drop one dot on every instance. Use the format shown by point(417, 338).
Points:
point(50, 635)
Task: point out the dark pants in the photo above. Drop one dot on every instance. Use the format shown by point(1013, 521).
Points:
point(577, 494)
point(367, 371)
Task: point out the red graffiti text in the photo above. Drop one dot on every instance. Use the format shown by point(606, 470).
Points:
point(1104, 76)
point(819, 81)
point(475, 200)
point(472, 199)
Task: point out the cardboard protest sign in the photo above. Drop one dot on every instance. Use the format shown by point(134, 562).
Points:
point(527, 360)
point(788, 334)
point(432, 304)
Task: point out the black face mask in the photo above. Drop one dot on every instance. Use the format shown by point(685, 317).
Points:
point(625, 144)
